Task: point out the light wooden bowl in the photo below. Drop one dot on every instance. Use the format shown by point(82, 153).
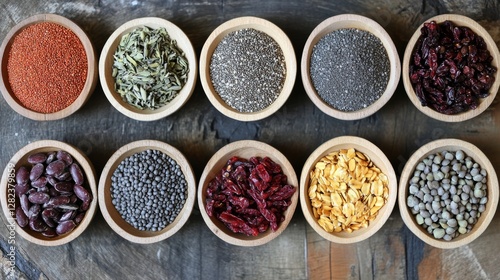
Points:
point(106, 69)
point(378, 158)
point(111, 215)
point(244, 149)
point(213, 41)
point(492, 182)
point(91, 79)
point(492, 47)
point(8, 182)
point(358, 22)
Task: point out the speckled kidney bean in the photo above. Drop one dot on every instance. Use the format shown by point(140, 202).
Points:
point(65, 227)
point(47, 201)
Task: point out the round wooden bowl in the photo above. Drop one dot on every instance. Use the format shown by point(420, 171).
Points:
point(106, 69)
point(213, 41)
point(358, 22)
point(492, 183)
point(91, 79)
point(8, 182)
point(378, 158)
point(492, 47)
point(244, 149)
point(111, 215)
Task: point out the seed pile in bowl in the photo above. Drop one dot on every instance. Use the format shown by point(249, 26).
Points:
point(46, 67)
point(450, 68)
point(349, 69)
point(447, 194)
point(149, 68)
point(149, 190)
point(249, 196)
point(346, 190)
point(248, 70)
point(51, 194)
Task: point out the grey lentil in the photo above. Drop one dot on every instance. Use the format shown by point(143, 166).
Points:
point(349, 69)
point(136, 190)
point(248, 70)
point(449, 194)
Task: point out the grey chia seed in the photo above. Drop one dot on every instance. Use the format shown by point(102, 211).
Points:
point(248, 70)
point(349, 69)
point(148, 189)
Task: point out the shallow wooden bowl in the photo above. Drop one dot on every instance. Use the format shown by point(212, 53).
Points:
point(492, 47)
point(492, 182)
point(350, 21)
point(111, 215)
point(245, 149)
point(106, 69)
point(378, 158)
point(91, 79)
point(8, 182)
point(213, 41)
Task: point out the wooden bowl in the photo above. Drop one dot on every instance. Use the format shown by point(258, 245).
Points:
point(244, 149)
point(8, 181)
point(358, 22)
point(91, 79)
point(113, 217)
point(106, 69)
point(492, 47)
point(213, 41)
point(378, 158)
point(492, 183)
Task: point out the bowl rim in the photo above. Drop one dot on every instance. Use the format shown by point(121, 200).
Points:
point(91, 79)
point(7, 184)
point(359, 22)
point(492, 47)
point(271, 30)
point(378, 158)
point(219, 159)
point(449, 144)
point(105, 200)
point(107, 81)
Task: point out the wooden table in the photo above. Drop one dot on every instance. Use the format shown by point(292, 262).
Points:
point(198, 130)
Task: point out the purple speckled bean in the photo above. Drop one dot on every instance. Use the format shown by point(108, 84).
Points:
point(64, 187)
point(65, 227)
point(51, 223)
point(37, 158)
point(39, 197)
point(82, 193)
point(79, 218)
point(25, 204)
point(76, 174)
point(22, 176)
point(64, 156)
point(38, 225)
point(40, 182)
point(67, 216)
point(34, 211)
point(50, 232)
point(21, 189)
point(22, 219)
point(55, 168)
point(36, 171)
point(51, 156)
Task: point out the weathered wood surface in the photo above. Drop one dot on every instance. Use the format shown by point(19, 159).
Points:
point(198, 130)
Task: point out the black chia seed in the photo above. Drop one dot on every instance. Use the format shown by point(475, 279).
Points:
point(248, 70)
point(148, 189)
point(349, 69)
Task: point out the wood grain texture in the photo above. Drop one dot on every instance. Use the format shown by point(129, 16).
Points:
point(198, 130)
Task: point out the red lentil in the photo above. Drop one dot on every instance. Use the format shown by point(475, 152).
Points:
point(46, 67)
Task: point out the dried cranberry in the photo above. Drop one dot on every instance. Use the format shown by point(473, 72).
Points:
point(450, 69)
point(249, 196)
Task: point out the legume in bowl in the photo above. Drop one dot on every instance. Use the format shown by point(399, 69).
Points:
point(48, 192)
point(448, 193)
point(350, 67)
point(147, 191)
point(48, 67)
point(450, 68)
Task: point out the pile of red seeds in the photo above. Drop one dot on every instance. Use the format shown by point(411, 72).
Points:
point(451, 68)
point(249, 196)
point(46, 67)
